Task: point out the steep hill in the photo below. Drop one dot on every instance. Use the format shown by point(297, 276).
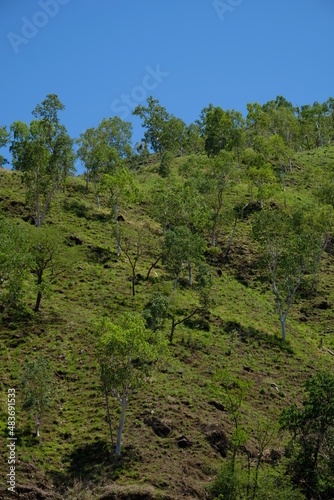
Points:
point(177, 430)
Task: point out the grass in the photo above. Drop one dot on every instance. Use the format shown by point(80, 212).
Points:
point(72, 456)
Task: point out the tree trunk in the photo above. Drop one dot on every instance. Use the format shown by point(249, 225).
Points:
point(39, 293)
point(231, 239)
point(106, 395)
point(97, 196)
point(38, 301)
point(133, 282)
point(152, 267)
point(172, 330)
point(87, 181)
point(117, 231)
point(37, 426)
point(282, 321)
point(121, 425)
point(190, 281)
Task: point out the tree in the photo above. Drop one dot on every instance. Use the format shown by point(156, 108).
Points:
point(182, 248)
point(135, 241)
point(14, 260)
point(46, 261)
point(312, 430)
point(127, 352)
point(37, 386)
point(119, 188)
point(154, 117)
point(289, 248)
point(203, 286)
point(260, 173)
point(4, 140)
point(96, 156)
point(156, 311)
point(223, 130)
point(44, 154)
point(165, 164)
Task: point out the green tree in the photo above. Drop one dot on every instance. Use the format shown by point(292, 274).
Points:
point(127, 352)
point(289, 247)
point(156, 311)
point(165, 164)
point(154, 118)
point(46, 261)
point(119, 188)
point(14, 260)
point(44, 154)
point(203, 287)
point(135, 242)
point(182, 249)
point(4, 140)
point(37, 386)
point(260, 174)
point(312, 431)
point(223, 130)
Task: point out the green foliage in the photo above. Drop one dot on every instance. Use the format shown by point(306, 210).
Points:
point(182, 248)
point(44, 154)
point(37, 386)
point(165, 164)
point(4, 139)
point(14, 259)
point(312, 430)
point(156, 311)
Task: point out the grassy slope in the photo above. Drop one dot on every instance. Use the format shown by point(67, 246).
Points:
point(71, 458)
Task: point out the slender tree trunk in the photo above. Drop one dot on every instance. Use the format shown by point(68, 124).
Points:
point(213, 239)
point(111, 436)
point(175, 282)
point(190, 281)
point(39, 293)
point(97, 196)
point(38, 301)
point(282, 321)
point(133, 281)
point(87, 181)
point(231, 239)
point(37, 218)
point(37, 426)
point(121, 425)
point(172, 330)
point(117, 230)
point(152, 267)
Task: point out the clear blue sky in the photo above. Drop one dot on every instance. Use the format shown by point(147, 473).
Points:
point(96, 53)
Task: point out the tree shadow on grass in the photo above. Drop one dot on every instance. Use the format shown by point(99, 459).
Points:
point(93, 461)
point(249, 334)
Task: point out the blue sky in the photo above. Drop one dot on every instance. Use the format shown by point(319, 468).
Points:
point(102, 57)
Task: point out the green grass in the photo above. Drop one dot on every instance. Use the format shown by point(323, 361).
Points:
point(73, 452)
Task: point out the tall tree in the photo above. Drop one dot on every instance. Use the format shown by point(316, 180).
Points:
point(4, 139)
point(43, 152)
point(37, 384)
point(289, 249)
point(119, 188)
point(154, 118)
point(14, 260)
point(127, 352)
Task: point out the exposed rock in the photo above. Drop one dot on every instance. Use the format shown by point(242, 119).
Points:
point(217, 405)
point(217, 439)
point(158, 427)
point(183, 442)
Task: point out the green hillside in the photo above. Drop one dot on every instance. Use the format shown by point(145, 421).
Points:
point(179, 424)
